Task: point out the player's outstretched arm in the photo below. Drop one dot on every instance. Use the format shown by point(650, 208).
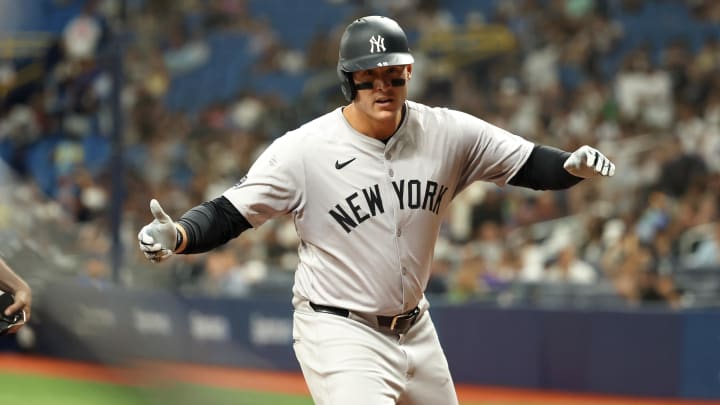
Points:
point(549, 168)
point(202, 228)
point(11, 283)
point(588, 162)
point(159, 239)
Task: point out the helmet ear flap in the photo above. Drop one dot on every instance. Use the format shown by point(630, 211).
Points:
point(347, 85)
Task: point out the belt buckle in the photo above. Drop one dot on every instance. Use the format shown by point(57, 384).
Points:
point(394, 322)
point(408, 315)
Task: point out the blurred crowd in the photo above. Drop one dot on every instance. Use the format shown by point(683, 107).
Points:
point(558, 72)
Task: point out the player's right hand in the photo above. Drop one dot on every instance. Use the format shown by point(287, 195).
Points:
point(158, 238)
point(22, 302)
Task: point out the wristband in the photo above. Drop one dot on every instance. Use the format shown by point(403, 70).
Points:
point(178, 239)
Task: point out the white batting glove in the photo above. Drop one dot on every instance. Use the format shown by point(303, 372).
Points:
point(589, 162)
point(158, 238)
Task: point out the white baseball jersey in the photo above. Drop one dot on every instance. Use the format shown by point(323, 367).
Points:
point(368, 213)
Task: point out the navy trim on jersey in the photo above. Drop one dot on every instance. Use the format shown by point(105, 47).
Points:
point(544, 170)
point(212, 224)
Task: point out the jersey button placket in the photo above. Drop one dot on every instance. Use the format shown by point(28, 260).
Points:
point(398, 231)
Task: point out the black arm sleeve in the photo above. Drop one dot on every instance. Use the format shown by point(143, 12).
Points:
point(212, 224)
point(544, 170)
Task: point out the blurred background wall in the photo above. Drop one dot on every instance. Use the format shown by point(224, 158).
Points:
point(109, 103)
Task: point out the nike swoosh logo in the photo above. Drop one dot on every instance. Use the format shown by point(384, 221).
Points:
point(339, 165)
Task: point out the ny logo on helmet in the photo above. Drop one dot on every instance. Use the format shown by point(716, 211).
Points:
point(377, 44)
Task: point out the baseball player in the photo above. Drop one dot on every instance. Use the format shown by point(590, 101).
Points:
point(11, 283)
point(368, 185)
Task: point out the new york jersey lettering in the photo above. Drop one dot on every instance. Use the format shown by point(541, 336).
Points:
point(373, 202)
point(413, 194)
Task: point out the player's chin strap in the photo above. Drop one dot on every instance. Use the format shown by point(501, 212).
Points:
point(369, 85)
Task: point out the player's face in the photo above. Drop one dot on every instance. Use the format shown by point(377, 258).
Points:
point(382, 91)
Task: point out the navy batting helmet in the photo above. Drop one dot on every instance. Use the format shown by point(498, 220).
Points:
point(367, 43)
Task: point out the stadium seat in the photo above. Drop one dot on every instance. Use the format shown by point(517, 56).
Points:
point(40, 164)
point(461, 8)
point(96, 150)
point(298, 21)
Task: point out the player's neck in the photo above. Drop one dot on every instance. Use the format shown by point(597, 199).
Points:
point(372, 127)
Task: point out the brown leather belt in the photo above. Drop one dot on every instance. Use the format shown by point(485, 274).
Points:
point(400, 323)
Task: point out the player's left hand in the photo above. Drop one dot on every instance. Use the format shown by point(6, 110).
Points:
point(589, 162)
point(158, 239)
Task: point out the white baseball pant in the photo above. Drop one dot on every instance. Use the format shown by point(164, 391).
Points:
point(348, 361)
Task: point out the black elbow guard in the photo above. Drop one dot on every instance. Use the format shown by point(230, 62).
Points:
point(544, 170)
point(212, 224)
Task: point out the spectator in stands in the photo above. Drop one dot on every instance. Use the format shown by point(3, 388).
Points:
point(95, 272)
point(655, 218)
point(226, 276)
point(442, 268)
point(532, 261)
point(568, 268)
point(488, 242)
point(644, 93)
point(638, 273)
point(707, 252)
point(621, 263)
point(655, 285)
point(481, 275)
point(467, 283)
